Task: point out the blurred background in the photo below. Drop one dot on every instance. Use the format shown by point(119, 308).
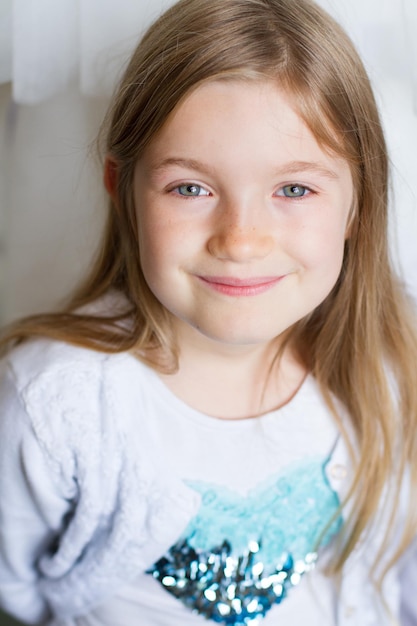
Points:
point(59, 62)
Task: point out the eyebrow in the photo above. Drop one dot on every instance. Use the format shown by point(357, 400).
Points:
point(288, 169)
point(191, 164)
point(297, 167)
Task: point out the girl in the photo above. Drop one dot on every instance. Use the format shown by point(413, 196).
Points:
point(221, 425)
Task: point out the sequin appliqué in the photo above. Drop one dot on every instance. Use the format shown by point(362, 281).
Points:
point(241, 554)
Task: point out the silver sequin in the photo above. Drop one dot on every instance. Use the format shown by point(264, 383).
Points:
point(223, 588)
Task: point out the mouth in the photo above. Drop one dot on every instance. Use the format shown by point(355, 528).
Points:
point(232, 286)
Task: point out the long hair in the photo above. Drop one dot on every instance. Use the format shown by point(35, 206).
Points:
point(360, 343)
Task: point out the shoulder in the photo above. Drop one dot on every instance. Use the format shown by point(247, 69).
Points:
point(46, 364)
point(39, 358)
point(85, 410)
point(51, 375)
point(75, 400)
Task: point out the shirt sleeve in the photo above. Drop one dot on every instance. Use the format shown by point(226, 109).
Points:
point(32, 507)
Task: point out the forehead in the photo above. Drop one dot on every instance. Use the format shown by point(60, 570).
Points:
point(240, 120)
point(225, 102)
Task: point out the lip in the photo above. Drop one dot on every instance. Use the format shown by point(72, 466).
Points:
point(233, 286)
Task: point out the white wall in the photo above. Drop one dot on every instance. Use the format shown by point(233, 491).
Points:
point(51, 199)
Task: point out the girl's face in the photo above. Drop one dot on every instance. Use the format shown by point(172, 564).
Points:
point(242, 216)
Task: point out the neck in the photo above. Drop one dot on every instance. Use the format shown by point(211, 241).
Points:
point(236, 382)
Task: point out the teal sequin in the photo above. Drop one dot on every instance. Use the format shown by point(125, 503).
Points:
point(240, 555)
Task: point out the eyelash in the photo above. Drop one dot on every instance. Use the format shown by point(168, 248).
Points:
point(306, 191)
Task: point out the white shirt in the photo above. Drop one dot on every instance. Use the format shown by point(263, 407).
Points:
point(97, 453)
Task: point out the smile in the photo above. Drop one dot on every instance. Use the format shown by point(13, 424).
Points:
point(240, 286)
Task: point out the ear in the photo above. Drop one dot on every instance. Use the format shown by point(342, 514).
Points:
point(110, 177)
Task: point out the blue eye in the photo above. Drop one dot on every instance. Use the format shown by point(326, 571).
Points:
point(293, 191)
point(192, 191)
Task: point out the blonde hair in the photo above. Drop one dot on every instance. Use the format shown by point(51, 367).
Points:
point(360, 342)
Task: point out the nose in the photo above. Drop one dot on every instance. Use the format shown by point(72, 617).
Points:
point(240, 235)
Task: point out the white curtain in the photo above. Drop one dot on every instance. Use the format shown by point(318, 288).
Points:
point(59, 60)
point(44, 44)
point(47, 43)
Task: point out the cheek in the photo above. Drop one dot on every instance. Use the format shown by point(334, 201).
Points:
point(320, 246)
point(160, 247)
point(150, 243)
